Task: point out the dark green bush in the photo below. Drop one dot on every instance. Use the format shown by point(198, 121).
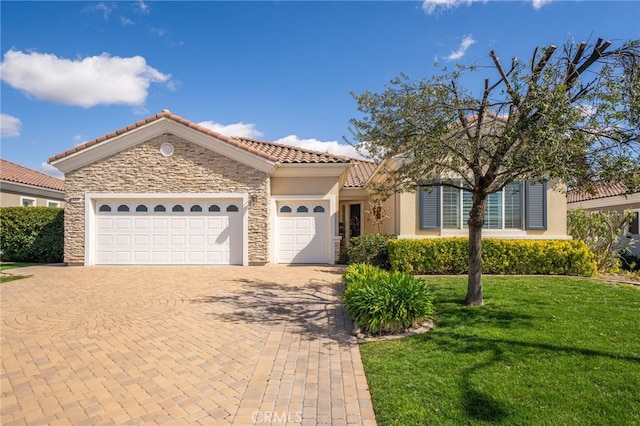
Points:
point(505, 257)
point(382, 302)
point(370, 249)
point(32, 234)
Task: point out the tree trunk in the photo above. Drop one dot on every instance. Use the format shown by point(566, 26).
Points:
point(475, 222)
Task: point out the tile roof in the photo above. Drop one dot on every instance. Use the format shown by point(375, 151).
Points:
point(268, 150)
point(601, 190)
point(16, 173)
point(292, 154)
point(359, 173)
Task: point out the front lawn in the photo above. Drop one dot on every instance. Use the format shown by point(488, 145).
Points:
point(543, 351)
point(13, 265)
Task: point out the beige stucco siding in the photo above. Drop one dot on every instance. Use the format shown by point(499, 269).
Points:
point(307, 186)
point(191, 169)
point(15, 200)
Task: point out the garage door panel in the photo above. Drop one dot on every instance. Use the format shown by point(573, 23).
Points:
point(160, 223)
point(159, 256)
point(123, 240)
point(123, 256)
point(178, 240)
point(124, 223)
point(141, 256)
point(177, 223)
point(141, 224)
point(105, 223)
point(192, 235)
point(302, 236)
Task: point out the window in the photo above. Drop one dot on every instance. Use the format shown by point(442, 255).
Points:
point(302, 209)
point(232, 208)
point(518, 206)
point(196, 208)
point(214, 208)
point(513, 205)
point(141, 208)
point(633, 225)
point(123, 208)
point(159, 208)
point(105, 208)
point(27, 202)
point(285, 209)
point(53, 203)
point(318, 209)
point(177, 208)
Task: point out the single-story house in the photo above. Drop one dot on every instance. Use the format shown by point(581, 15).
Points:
point(609, 198)
point(22, 186)
point(166, 190)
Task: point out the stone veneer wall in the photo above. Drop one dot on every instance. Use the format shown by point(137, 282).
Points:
point(191, 169)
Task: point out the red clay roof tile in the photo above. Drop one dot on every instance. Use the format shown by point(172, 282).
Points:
point(601, 190)
point(359, 173)
point(16, 173)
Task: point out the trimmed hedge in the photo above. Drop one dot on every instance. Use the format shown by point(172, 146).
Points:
point(503, 257)
point(32, 234)
point(370, 249)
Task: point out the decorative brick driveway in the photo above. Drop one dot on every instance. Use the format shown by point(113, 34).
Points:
point(179, 345)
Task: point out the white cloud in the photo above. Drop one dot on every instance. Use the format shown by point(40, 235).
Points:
point(244, 130)
point(94, 80)
point(9, 126)
point(51, 171)
point(77, 139)
point(331, 147)
point(103, 8)
point(466, 43)
point(142, 7)
point(248, 130)
point(126, 21)
point(537, 4)
point(431, 6)
point(159, 31)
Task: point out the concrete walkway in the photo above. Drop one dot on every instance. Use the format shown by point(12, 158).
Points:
point(179, 345)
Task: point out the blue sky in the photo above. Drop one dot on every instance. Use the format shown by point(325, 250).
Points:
point(276, 71)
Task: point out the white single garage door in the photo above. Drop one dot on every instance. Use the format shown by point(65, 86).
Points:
point(302, 233)
point(163, 232)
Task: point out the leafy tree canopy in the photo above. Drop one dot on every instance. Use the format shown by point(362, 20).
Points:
point(569, 114)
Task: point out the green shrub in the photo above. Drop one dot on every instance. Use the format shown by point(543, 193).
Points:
point(370, 249)
point(32, 234)
point(602, 232)
point(505, 257)
point(382, 302)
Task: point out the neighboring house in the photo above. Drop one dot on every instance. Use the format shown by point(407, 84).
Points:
point(608, 198)
point(21, 186)
point(166, 190)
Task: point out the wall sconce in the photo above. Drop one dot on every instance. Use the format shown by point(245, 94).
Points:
point(253, 198)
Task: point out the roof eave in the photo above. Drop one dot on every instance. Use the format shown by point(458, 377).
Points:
point(98, 150)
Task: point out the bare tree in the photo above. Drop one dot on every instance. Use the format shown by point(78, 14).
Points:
point(569, 115)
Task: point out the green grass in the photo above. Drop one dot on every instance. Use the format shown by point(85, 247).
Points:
point(4, 278)
point(13, 265)
point(542, 351)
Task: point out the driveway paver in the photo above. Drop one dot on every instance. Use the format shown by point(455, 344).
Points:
point(179, 345)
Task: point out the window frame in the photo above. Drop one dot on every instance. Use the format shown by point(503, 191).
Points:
point(23, 199)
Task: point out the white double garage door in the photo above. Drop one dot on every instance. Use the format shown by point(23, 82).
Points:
point(201, 232)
